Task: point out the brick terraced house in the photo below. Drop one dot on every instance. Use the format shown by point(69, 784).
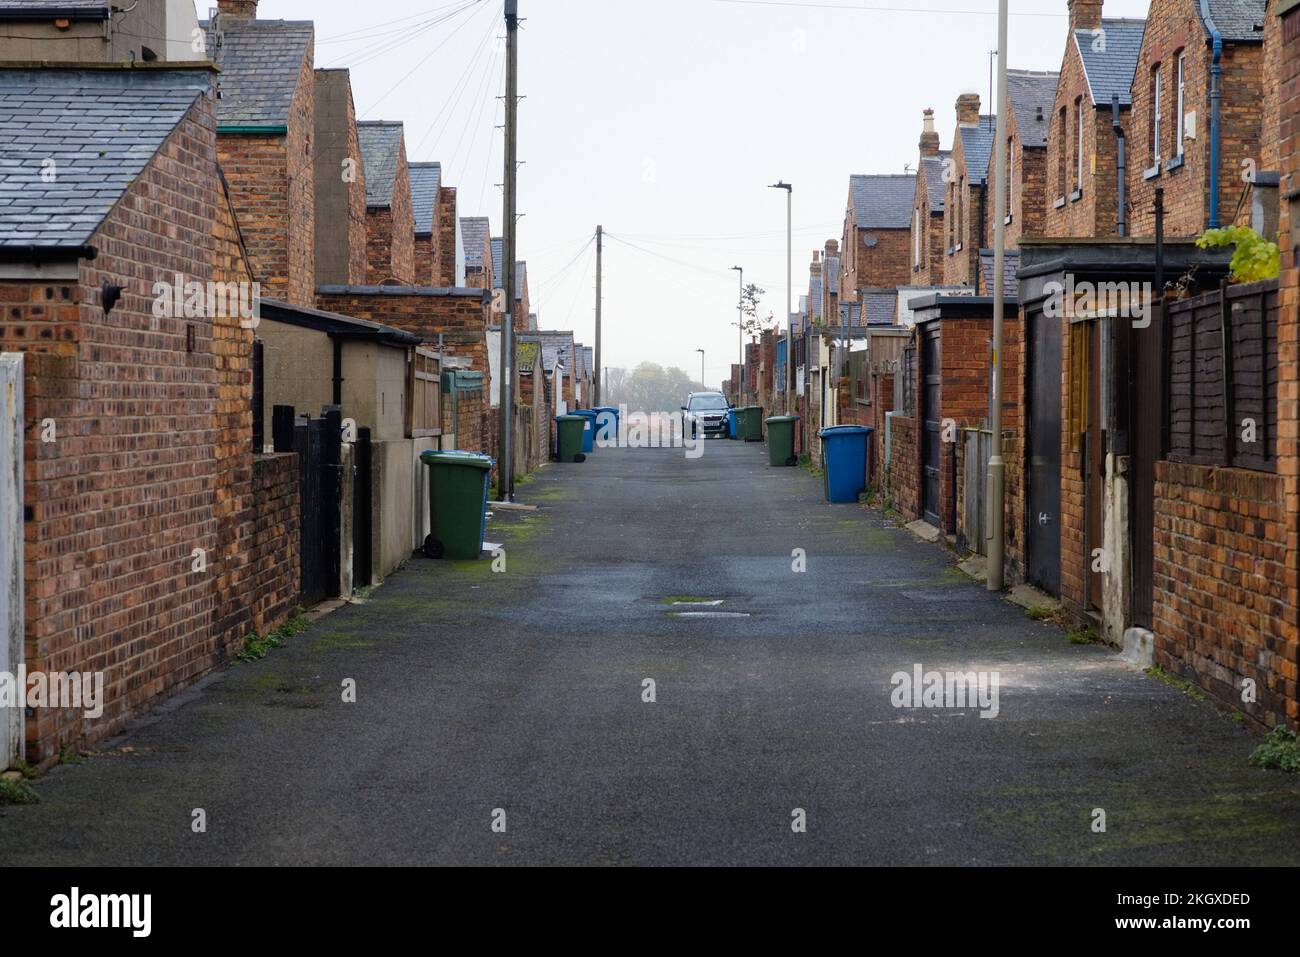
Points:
point(390, 218)
point(1177, 126)
point(266, 118)
point(1092, 126)
point(966, 218)
point(156, 540)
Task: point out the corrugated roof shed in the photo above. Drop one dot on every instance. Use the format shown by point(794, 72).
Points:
point(883, 201)
point(261, 62)
point(1109, 66)
point(1033, 96)
point(381, 148)
point(425, 180)
point(101, 127)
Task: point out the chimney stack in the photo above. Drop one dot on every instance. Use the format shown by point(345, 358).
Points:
point(241, 9)
point(968, 109)
point(1085, 14)
point(929, 138)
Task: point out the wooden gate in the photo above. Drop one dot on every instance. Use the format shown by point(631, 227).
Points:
point(1043, 394)
point(11, 546)
point(931, 444)
point(973, 533)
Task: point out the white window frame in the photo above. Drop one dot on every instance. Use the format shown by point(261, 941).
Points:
point(1181, 116)
point(1078, 145)
point(916, 239)
point(1157, 116)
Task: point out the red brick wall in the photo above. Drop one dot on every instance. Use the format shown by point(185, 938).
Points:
point(1173, 25)
point(933, 248)
point(425, 258)
point(445, 264)
point(1285, 32)
point(461, 320)
point(119, 501)
point(274, 583)
point(1221, 579)
point(904, 467)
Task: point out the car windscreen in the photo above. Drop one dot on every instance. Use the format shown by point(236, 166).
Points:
point(707, 403)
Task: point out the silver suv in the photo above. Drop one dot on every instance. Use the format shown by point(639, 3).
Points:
point(706, 412)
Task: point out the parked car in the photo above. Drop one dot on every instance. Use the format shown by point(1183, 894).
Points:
point(707, 412)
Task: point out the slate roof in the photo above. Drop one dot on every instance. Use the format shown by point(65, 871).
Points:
point(556, 346)
point(101, 127)
point(521, 268)
point(589, 357)
point(474, 231)
point(1237, 19)
point(883, 201)
point(580, 360)
point(936, 188)
point(832, 269)
point(381, 148)
point(1110, 72)
point(1033, 97)
point(425, 179)
point(37, 10)
point(815, 290)
point(1010, 273)
point(977, 148)
point(260, 61)
point(880, 305)
point(850, 314)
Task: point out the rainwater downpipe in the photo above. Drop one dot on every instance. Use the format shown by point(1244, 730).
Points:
point(1216, 110)
point(1121, 169)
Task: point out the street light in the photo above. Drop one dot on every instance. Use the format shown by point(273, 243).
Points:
point(740, 331)
point(703, 385)
point(789, 288)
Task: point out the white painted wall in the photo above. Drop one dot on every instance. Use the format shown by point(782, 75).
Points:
point(11, 544)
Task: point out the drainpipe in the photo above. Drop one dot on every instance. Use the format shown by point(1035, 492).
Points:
point(1121, 169)
point(979, 240)
point(1216, 111)
point(338, 370)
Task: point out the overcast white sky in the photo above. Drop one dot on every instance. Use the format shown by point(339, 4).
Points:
point(664, 121)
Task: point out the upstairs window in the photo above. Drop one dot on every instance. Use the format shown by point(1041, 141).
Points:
point(1078, 145)
point(1157, 115)
point(1180, 116)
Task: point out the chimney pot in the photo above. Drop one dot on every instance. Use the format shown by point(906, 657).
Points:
point(1085, 14)
point(968, 109)
point(243, 9)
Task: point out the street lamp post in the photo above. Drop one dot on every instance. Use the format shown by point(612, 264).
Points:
point(704, 386)
point(997, 467)
point(740, 331)
point(789, 289)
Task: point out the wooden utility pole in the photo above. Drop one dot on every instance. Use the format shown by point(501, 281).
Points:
point(506, 366)
point(600, 244)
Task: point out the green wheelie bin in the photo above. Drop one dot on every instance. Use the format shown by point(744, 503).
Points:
point(569, 431)
point(780, 440)
point(751, 417)
point(458, 492)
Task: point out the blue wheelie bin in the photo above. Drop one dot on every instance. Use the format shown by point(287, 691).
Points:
point(589, 432)
point(731, 422)
point(606, 424)
point(844, 452)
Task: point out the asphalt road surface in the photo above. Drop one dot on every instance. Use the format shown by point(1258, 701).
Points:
point(518, 698)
